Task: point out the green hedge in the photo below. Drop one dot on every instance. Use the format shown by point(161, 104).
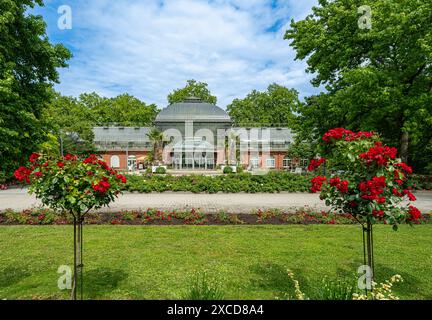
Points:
point(242, 182)
point(421, 182)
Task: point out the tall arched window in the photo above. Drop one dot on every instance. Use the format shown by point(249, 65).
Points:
point(115, 161)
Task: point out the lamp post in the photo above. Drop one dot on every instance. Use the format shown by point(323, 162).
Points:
point(61, 143)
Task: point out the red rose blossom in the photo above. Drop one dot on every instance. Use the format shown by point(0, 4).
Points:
point(34, 157)
point(379, 155)
point(90, 159)
point(414, 213)
point(404, 167)
point(410, 196)
point(315, 163)
point(122, 178)
point(22, 174)
point(317, 183)
point(70, 157)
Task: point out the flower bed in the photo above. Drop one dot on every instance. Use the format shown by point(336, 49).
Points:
point(242, 182)
point(184, 217)
point(421, 182)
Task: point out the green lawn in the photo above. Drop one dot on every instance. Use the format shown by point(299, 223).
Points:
point(158, 262)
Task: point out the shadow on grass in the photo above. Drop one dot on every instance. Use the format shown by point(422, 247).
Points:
point(11, 275)
point(98, 283)
point(409, 287)
point(274, 277)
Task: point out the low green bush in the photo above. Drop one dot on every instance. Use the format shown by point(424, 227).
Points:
point(160, 170)
point(272, 182)
point(227, 170)
point(421, 182)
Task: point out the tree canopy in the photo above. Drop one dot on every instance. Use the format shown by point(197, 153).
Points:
point(274, 107)
point(377, 78)
point(72, 119)
point(193, 88)
point(28, 69)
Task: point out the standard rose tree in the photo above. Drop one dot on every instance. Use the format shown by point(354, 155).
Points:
point(367, 181)
point(73, 185)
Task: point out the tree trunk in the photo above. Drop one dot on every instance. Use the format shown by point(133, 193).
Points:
point(404, 146)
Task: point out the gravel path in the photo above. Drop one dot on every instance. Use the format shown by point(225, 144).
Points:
point(18, 199)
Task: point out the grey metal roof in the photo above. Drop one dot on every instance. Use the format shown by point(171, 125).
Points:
point(192, 109)
point(275, 134)
point(121, 134)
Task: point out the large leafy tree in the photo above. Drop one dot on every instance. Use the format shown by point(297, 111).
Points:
point(274, 107)
point(28, 69)
point(193, 88)
point(123, 109)
point(377, 78)
point(72, 119)
point(71, 123)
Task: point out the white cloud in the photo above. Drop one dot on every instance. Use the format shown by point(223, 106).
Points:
point(149, 49)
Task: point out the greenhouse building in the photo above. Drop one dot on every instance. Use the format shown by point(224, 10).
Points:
point(195, 135)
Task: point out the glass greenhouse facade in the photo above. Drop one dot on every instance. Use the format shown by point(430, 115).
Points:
point(195, 136)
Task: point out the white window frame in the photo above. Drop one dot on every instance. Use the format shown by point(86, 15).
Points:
point(255, 161)
point(115, 161)
point(132, 162)
point(287, 162)
point(271, 162)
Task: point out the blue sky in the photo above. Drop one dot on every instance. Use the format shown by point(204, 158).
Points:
point(148, 48)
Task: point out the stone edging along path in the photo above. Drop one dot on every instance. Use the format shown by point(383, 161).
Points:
point(18, 199)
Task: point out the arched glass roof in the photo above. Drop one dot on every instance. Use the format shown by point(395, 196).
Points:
point(193, 109)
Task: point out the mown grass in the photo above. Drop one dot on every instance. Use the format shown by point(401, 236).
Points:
point(159, 262)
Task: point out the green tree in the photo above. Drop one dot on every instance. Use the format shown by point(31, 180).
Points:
point(301, 150)
point(193, 88)
point(28, 69)
point(72, 119)
point(376, 78)
point(123, 109)
point(274, 107)
point(71, 122)
point(129, 111)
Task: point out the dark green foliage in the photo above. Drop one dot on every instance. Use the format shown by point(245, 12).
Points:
point(227, 169)
point(28, 69)
point(160, 170)
point(75, 117)
point(376, 79)
point(193, 88)
point(231, 183)
point(274, 107)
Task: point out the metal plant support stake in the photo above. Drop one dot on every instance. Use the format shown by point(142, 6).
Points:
point(368, 254)
point(78, 255)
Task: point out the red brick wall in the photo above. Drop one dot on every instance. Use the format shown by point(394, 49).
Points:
point(122, 155)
